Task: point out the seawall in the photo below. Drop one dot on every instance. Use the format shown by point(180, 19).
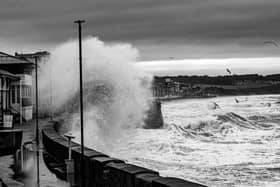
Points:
point(101, 170)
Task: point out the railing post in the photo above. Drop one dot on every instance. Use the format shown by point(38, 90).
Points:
point(22, 158)
point(70, 162)
point(18, 161)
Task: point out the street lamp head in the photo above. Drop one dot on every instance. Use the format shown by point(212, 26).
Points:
point(69, 136)
point(79, 21)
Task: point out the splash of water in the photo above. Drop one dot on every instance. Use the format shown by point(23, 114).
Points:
point(116, 94)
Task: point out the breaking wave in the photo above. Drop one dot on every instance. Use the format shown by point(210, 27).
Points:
point(116, 94)
point(235, 144)
point(219, 127)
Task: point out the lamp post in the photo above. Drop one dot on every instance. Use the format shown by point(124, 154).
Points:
point(37, 125)
point(79, 22)
point(37, 140)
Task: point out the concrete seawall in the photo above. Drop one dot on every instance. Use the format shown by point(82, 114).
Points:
point(101, 170)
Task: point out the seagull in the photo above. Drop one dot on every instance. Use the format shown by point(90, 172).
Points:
point(271, 42)
point(228, 71)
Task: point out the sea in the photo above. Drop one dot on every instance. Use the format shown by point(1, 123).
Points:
point(222, 141)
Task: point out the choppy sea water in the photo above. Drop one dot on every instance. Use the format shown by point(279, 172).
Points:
point(223, 141)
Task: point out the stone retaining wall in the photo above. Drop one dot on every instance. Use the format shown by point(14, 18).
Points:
point(103, 171)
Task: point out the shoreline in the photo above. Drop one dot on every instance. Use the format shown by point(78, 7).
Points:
point(186, 97)
point(201, 97)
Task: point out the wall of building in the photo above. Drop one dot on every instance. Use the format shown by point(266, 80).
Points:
point(102, 170)
point(4, 93)
point(21, 96)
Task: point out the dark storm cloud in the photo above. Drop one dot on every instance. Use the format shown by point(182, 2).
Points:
point(246, 23)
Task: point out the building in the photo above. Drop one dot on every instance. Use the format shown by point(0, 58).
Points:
point(166, 88)
point(16, 87)
point(42, 58)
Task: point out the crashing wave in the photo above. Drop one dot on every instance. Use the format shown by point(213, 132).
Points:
point(220, 127)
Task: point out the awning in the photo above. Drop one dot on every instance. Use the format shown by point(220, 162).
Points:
point(7, 74)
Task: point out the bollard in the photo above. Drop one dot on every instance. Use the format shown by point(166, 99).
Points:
point(69, 162)
point(18, 162)
point(24, 154)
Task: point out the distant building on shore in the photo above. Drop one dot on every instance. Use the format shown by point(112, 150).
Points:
point(166, 88)
point(16, 87)
point(169, 87)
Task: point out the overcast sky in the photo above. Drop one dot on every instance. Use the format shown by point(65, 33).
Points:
point(160, 29)
point(212, 67)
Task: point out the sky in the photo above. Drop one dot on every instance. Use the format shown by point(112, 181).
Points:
point(212, 67)
point(159, 29)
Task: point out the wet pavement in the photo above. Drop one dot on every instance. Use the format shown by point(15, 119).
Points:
point(29, 176)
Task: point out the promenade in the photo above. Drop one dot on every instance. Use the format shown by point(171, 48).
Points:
point(47, 179)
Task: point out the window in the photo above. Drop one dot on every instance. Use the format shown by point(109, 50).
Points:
point(18, 94)
point(13, 94)
point(26, 91)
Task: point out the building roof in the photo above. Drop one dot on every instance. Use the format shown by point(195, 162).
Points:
point(31, 56)
point(10, 59)
point(7, 74)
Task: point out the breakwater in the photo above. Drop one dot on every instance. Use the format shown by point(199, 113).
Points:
point(100, 169)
